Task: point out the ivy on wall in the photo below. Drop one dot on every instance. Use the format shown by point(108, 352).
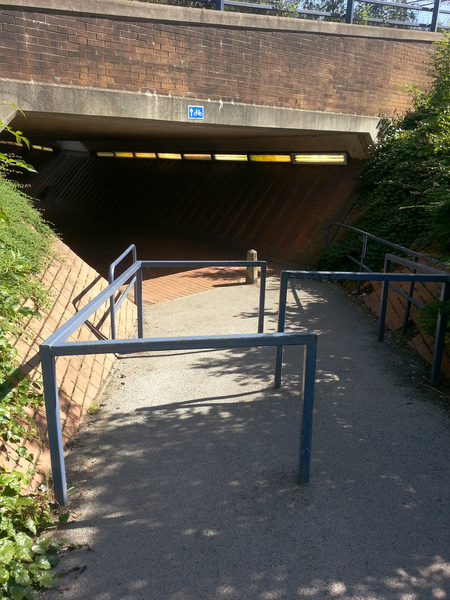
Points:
point(404, 194)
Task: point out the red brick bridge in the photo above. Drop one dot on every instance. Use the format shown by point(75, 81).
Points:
point(114, 75)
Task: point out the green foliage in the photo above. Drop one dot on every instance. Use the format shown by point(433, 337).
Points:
point(25, 560)
point(405, 185)
point(364, 12)
point(11, 159)
point(25, 249)
point(428, 316)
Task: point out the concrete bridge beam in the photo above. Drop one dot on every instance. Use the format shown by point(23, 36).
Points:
point(113, 69)
point(70, 113)
point(7, 114)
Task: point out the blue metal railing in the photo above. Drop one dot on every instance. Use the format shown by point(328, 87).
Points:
point(57, 345)
point(113, 306)
point(431, 276)
point(366, 236)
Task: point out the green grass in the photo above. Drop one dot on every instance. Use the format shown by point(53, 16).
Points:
point(28, 236)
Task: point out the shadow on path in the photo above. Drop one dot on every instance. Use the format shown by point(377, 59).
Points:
point(185, 481)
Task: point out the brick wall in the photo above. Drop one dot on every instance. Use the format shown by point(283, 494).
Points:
point(423, 344)
point(72, 284)
point(298, 69)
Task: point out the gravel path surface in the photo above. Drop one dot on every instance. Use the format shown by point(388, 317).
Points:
point(184, 481)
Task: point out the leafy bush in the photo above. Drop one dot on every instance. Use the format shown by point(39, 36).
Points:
point(405, 184)
point(25, 248)
point(25, 559)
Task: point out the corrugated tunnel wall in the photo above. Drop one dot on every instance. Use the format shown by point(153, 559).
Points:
point(282, 210)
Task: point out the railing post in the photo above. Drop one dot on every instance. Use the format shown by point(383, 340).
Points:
point(281, 325)
point(408, 302)
point(349, 11)
point(327, 236)
point(434, 18)
point(262, 298)
point(139, 302)
point(251, 275)
point(54, 424)
point(362, 261)
point(219, 4)
point(439, 337)
point(309, 376)
point(383, 304)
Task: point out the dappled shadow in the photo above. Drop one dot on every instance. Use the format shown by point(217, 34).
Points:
point(200, 497)
point(186, 482)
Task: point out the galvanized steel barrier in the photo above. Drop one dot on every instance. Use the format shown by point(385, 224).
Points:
point(431, 276)
point(57, 345)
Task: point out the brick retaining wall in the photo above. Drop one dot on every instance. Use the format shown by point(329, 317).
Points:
point(72, 284)
point(423, 344)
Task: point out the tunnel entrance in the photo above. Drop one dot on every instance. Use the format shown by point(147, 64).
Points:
point(175, 209)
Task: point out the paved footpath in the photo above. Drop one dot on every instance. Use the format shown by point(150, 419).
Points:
point(184, 481)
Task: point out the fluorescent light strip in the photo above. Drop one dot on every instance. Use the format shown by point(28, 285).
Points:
point(145, 155)
point(10, 143)
point(335, 158)
point(283, 158)
point(332, 158)
point(123, 154)
point(235, 157)
point(44, 148)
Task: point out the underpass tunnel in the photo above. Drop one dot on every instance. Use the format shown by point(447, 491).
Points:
point(175, 197)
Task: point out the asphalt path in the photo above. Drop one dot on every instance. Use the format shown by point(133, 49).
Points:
point(184, 482)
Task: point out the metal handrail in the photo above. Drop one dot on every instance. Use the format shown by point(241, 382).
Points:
point(414, 266)
point(196, 264)
point(439, 337)
point(370, 236)
point(348, 15)
point(431, 276)
point(56, 345)
point(113, 306)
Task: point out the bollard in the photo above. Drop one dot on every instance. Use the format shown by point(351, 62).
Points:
point(252, 272)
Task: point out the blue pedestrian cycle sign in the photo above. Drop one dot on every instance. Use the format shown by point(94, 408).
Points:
point(195, 112)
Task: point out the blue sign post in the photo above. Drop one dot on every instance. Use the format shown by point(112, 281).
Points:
point(195, 112)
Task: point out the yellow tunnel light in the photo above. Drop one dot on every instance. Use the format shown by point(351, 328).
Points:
point(197, 156)
point(283, 158)
point(169, 155)
point(103, 154)
point(44, 148)
point(123, 154)
point(145, 154)
point(9, 143)
point(332, 158)
point(235, 157)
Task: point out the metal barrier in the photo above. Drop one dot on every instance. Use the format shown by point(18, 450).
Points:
point(409, 10)
point(186, 264)
point(56, 345)
point(369, 236)
point(113, 306)
point(430, 277)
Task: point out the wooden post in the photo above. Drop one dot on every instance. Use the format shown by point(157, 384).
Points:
point(252, 272)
